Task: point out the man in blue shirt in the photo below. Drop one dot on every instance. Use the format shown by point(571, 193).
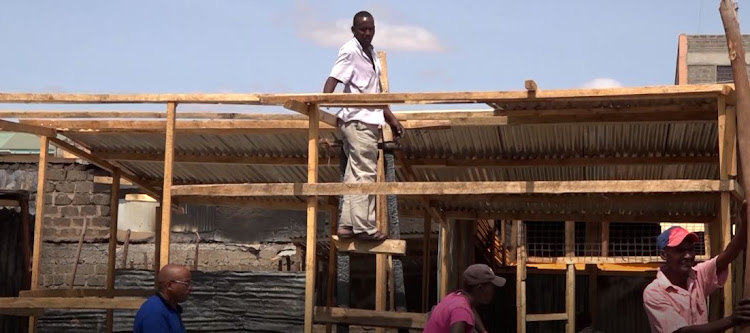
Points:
point(161, 312)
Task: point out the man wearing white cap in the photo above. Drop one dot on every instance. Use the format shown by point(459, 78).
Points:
point(455, 313)
point(676, 300)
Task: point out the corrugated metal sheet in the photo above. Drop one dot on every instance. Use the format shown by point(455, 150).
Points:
point(220, 302)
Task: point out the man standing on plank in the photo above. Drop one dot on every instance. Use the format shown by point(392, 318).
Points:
point(358, 69)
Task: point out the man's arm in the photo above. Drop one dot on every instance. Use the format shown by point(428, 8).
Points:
point(390, 118)
point(330, 85)
point(479, 325)
point(714, 327)
point(736, 245)
point(458, 327)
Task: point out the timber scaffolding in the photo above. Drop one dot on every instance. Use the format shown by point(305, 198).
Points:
point(646, 154)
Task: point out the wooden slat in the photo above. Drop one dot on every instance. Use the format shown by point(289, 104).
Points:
point(166, 214)
point(600, 260)
point(557, 216)
point(37, 313)
point(727, 143)
point(134, 114)
point(312, 217)
point(67, 293)
point(531, 317)
point(120, 303)
point(302, 108)
point(39, 218)
point(370, 318)
point(388, 246)
point(64, 98)
point(7, 126)
point(520, 237)
point(570, 277)
point(114, 204)
point(426, 232)
point(34, 158)
point(445, 230)
point(448, 188)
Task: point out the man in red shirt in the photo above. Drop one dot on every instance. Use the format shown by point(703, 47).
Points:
point(455, 313)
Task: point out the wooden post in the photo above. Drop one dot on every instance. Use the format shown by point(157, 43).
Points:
point(332, 263)
point(520, 241)
point(742, 91)
point(570, 278)
point(445, 231)
point(593, 237)
point(382, 262)
point(26, 243)
point(78, 254)
point(114, 203)
point(125, 250)
point(39, 219)
point(514, 241)
point(426, 261)
point(166, 199)
point(312, 216)
point(726, 126)
point(605, 239)
point(157, 241)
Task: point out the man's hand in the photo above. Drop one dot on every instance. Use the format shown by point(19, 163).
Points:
point(741, 314)
point(396, 128)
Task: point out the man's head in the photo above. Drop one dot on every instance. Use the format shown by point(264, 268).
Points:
point(480, 281)
point(677, 248)
point(363, 28)
point(175, 282)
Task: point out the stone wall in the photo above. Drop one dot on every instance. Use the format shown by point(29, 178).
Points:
point(57, 260)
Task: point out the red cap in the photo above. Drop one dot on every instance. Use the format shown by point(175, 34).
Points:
point(674, 236)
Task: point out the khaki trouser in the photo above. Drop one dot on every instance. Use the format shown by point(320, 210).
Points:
point(361, 149)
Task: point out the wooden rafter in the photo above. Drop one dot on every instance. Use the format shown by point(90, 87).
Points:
point(8, 126)
point(468, 188)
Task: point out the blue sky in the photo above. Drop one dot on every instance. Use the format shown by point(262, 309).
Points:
point(289, 46)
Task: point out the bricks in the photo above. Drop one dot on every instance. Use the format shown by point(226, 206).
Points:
point(62, 199)
point(104, 210)
point(51, 211)
point(90, 211)
point(95, 281)
point(75, 175)
point(81, 199)
point(61, 222)
point(56, 174)
point(84, 187)
point(100, 199)
point(65, 187)
point(70, 211)
point(99, 222)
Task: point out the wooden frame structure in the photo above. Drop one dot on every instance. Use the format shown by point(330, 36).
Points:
point(449, 156)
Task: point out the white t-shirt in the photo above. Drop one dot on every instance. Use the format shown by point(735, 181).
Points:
point(354, 69)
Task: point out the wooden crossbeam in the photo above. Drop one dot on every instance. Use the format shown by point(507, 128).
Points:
point(428, 162)
point(546, 317)
point(122, 303)
point(105, 165)
point(557, 216)
point(370, 318)
point(302, 108)
point(65, 293)
point(687, 91)
point(34, 158)
point(85, 114)
point(601, 260)
point(8, 126)
point(448, 188)
point(388, 246)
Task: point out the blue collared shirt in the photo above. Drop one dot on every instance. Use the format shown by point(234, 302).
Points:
point(155, 315)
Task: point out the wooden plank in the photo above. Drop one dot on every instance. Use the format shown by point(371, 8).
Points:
point(134, 114)
point(570, 278)
point(736, 51)
point(605, 239)
point(445, 231)
point(120, 303)
point(557, 216)
point(9, 203)
point(688, 91)
point(312, 217)
point(532, 317)
point(302, 108)
point(26, 242)
point(68, 293)
point(727, 142)
point(382, 276)
point(37, 313)
point(166, 214)
point(34, 158)
point(521, 316)
point(7, 126)
point(108, 180)
point(682, 66)
point(332, 256)
point(388, 246)
point(39, 218)
point(403, 162)
point(78, 254)
point(426, 231)
point(114, 204)
point(65, 98)
point(104, 165)
point(449, 188)
point(370, 318)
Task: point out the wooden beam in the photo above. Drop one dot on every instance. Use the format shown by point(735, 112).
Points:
point(26, 242)
point(120, 303)
point(105, 165)
point(570, 278)
point(688, 91)
point(444, 262)
point(37, 313)
point(533, 317)
point(682, 65)
point(41, 186)
point(332, 257)
point(114, 204)
point(383, 263)
point(7, 126)
point(370, 318)
point(426, 231)
point(521, 316)
point(166, 198)
point(388, 246)
point(450, 188)
point(727, 143)
point(530, 86)
point(108, 180)
point(312, 217)
point(405, 163)
point(87, 114)
point(302, 108)
point(736, 50)
point(68, 293)
point(562, 215)
point(34, 158)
